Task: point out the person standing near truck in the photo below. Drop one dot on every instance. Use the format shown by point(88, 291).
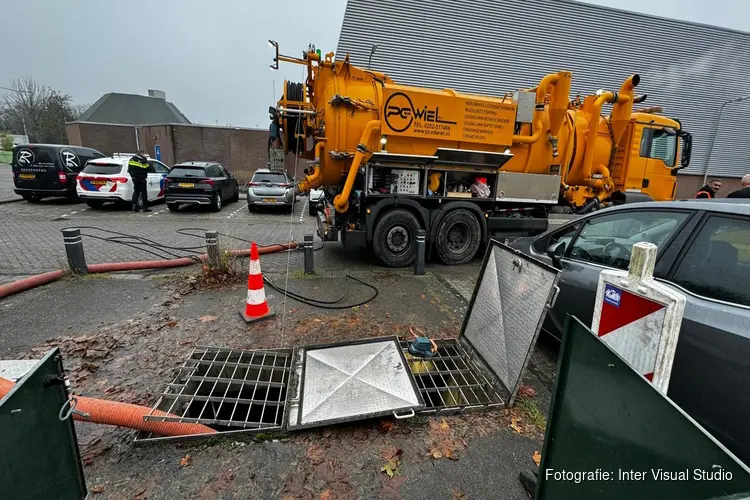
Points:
point(709, 190)
point(745, 191)
point(138, 170)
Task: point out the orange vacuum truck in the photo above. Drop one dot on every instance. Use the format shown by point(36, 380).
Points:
point(393, 159)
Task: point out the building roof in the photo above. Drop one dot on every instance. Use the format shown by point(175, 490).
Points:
point(132, 109)
point(492, 47)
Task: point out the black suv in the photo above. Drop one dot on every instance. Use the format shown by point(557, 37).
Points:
point(44, 170)
point(202, 182)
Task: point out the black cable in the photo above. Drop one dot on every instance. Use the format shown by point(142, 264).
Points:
point(182, 232)
point(316, 303)
point(138, 242)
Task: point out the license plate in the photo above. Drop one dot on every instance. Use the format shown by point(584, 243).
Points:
point(98, 182)
point(269, 200)
point(186, 184)
point(27, 176)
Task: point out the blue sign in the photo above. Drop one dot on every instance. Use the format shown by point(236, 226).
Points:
point(612, 295)
point(157, 152)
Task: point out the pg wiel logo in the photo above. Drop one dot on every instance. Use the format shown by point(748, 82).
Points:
point(400, 113)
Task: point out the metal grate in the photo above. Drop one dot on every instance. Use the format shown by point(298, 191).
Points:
point(228, 389)
point(451, 380)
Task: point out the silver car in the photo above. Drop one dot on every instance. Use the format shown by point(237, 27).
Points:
point(271, 189)
point(704, 252)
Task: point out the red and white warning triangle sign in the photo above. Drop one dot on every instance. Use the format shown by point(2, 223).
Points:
point(632, 325)
point(638, 317)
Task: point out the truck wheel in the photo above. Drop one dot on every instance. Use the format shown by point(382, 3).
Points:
point(394, 238)
point(458, 237)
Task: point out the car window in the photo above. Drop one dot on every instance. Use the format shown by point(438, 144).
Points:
point(151, 169)
point(717, 263)
point(159, 167)
point(178, 171)
point(269, 177)
point(563, 235)
point(222, 171)
point(102, 168)
point(609, 239)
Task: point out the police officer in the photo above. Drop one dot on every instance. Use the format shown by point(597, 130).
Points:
point(138, 170)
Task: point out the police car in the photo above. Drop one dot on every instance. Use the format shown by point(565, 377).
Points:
point(107, 180)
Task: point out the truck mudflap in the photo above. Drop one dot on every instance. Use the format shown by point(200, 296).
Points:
point(326, 230)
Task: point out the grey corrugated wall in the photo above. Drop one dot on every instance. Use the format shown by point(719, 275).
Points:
point(494, 46)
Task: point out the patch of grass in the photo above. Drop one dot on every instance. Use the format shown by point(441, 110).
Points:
point(532, 411)
point(96, 276)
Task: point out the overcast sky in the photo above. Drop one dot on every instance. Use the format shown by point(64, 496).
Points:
point(210, 57)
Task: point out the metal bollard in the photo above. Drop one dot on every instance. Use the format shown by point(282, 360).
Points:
point(421, 244)
point(74, 251)
point(212, 249)
point(309, 264)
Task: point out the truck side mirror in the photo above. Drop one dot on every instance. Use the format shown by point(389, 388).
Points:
point(555, 252)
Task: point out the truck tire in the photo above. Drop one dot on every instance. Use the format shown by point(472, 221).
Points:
point(458, 237)
point(394, 238)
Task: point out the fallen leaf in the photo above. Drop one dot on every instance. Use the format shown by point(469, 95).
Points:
point(392, 453)
point(207, 318)
point(326, 495)
point(526, 391)
point(422, 296)
point(459, 495)
point(514, 424)
point(537, 458)
point(385, 426)
point(355, 308)
point(186, 460)
point(436, 454)
point(444, 425)
point(318, 320)
point(172, 324)
point(316, 454)
point(97, 488)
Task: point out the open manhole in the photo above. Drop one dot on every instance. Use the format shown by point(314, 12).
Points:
point(238, 391)
point(451, 380)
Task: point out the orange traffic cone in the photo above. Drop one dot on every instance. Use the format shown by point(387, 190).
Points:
point(256, 308)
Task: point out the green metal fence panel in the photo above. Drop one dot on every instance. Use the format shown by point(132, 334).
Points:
point(39, 456)
point(612, 435)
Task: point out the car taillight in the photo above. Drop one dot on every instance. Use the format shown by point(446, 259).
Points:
point(62, 177)
point(285, 185)
point(253, 184)
point(123, 180)
point(167, 180)
point(208, 181)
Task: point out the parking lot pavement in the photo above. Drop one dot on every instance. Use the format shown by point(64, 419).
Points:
point(6, 184)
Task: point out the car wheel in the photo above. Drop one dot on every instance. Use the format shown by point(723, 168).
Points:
point(94, 203)
point(458, 237)
point(394, 238)
point(216, 205)
point(173, 207)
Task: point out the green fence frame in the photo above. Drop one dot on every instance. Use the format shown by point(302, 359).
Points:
point(39, 456)
point(605, 418)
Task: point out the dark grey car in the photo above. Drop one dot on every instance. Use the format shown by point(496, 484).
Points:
point(704, 252)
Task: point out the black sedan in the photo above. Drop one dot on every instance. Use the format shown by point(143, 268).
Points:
point(204, 183)
point(704, 253)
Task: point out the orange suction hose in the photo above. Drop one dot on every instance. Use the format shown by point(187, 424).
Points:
point(128, 415)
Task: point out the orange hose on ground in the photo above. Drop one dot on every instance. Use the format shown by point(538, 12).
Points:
point(125, 415)
point(45, 278)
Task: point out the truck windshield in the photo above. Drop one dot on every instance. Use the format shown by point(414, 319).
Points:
point(663, 147)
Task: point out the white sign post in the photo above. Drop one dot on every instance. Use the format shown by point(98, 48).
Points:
point(638, 317)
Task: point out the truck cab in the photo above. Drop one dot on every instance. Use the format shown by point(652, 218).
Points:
point(649, 155)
